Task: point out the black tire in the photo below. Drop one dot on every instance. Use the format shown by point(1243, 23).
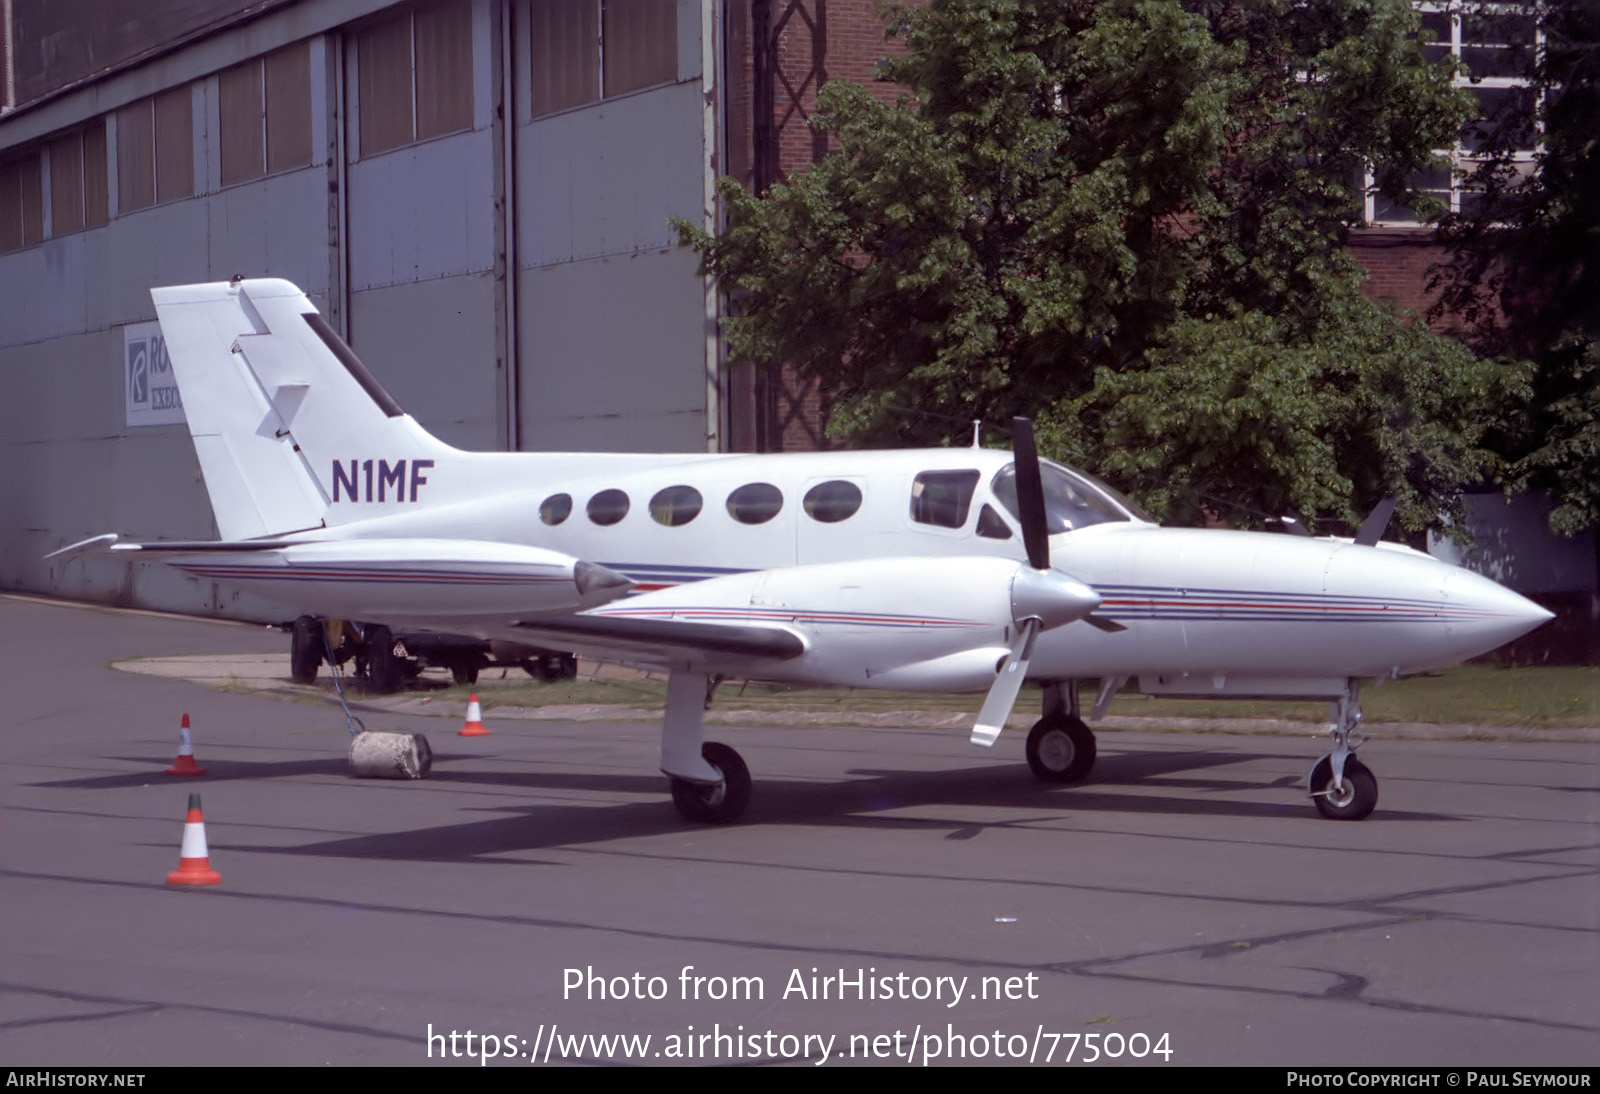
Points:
point(305, 650)
point(1360, 794)
point(385, 671)
point(464, 673)
point(1061, 749)
point(722, 804)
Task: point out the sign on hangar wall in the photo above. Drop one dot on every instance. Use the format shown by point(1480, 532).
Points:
point(149, 386)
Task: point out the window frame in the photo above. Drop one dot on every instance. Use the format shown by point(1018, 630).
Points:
point(149, 108)
point(596, 16)
point(1461, 160)
point(271, 155)
point(461, 115)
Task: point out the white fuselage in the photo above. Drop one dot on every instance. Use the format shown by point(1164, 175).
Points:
point(892, 595)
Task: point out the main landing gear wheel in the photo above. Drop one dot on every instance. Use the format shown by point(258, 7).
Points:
point(1352, 801)
point(1060, 749)
point(720, 804)
point(385, 673)
point(305, 650)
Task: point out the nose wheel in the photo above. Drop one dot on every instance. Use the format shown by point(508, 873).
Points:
point(1355, 796)
point(1343, 787)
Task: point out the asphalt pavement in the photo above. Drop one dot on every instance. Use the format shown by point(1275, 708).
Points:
point(893, 895)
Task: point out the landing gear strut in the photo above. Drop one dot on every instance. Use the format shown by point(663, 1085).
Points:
point(1343, 787)
point(710, 782)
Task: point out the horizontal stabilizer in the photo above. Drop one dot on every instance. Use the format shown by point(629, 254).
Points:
point(109, 541)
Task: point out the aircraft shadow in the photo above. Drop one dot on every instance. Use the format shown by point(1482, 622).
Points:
point(858, 802)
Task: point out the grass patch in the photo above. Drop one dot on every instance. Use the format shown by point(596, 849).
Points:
point(1471, 694)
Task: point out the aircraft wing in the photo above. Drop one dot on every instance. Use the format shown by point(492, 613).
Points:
point(660, 641)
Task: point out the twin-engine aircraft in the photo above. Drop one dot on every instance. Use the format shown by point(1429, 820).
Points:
point(950, 570)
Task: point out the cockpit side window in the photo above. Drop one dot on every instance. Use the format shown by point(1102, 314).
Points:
point(1071, 501)
point(992, 525)
point(943, 498)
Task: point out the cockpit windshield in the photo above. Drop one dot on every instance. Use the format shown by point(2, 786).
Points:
point(1071, 499)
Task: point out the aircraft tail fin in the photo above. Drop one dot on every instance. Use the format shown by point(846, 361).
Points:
point(285, 419)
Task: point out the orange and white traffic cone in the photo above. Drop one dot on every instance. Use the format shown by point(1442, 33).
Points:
point(184, 764)
point(194, 861)
point(474, 726)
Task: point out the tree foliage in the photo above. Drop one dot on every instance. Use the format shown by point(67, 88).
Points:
point(1526, 265)
point(1126, 219)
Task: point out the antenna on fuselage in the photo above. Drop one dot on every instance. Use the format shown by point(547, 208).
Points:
point(977, 431)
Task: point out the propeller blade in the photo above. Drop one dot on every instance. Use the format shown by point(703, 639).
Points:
point(1100, 622)
point(1003, 692)
point(1376, 524)
point(1030, 494)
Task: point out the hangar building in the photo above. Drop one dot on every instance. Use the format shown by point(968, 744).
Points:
point(474, 192)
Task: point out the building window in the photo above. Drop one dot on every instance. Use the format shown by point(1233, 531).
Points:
point(415, 77)
point(79, 196)
point(155, 150)
point(21, 203)
point(266, 115)
point(1496, 46)
point(585, 50)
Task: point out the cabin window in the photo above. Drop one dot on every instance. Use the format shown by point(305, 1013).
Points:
point(755, 503)
point(556, 508)
point(608, 507)
point(833, 501)
point(991, 525)
point(943, 498)
point(676, 505)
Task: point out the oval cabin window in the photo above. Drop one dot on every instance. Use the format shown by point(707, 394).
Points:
point(556, 508)
point(833, 501)
point(608, 507)
point(755, 503)
point(675, 505)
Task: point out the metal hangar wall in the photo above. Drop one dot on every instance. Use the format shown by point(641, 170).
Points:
point(475, 193)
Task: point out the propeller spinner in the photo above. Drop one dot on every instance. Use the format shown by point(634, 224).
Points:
point(1041, 597)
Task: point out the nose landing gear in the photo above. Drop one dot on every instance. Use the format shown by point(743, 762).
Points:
point(1343, 787)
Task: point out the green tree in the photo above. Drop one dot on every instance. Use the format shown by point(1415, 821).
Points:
point(1126, 219)
point(1526, 265)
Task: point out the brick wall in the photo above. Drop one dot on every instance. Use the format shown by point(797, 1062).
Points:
point(1398, 261)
